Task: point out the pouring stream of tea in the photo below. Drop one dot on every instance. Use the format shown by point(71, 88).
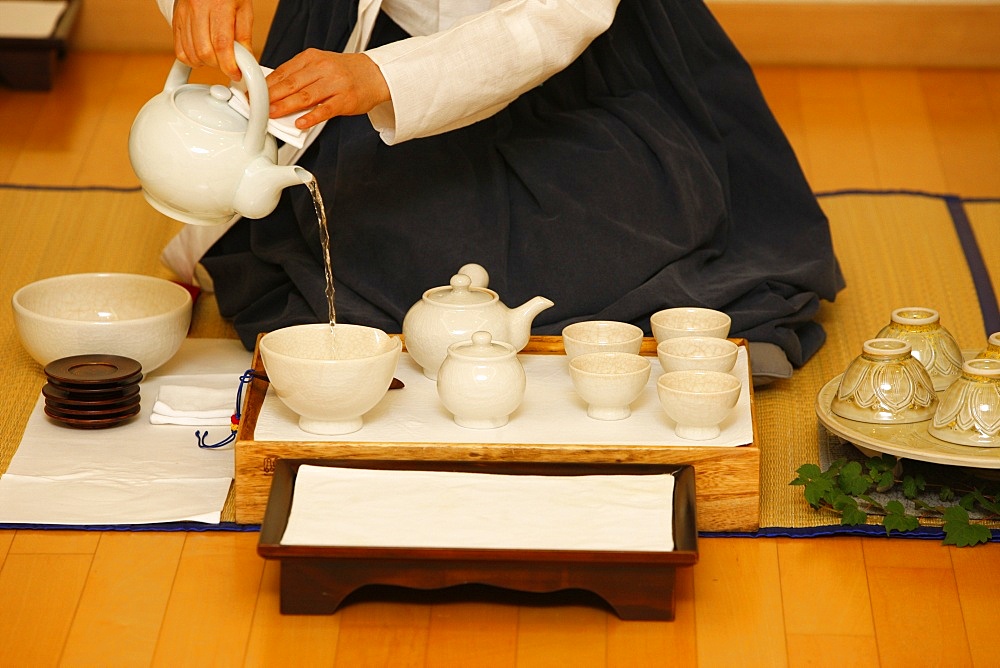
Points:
point(324, 238)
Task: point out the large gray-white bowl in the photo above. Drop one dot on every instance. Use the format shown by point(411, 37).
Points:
point(141, 317)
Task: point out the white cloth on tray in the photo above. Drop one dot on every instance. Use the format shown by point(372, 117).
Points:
point(354, 507)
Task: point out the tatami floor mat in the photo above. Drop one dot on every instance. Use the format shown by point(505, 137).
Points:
point(896, 249)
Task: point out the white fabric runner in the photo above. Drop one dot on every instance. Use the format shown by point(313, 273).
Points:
point(136, 472)
point(442, 509)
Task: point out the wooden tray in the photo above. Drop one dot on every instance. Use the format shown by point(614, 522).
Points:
point(637, 585)
point(728, 488)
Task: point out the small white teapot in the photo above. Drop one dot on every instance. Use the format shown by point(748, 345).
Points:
point(198, 160)
point(454, 312)
point(481, 382)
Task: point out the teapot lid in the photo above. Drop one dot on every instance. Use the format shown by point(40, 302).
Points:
point(460, 292)
point(210, 107)
point(481, 346)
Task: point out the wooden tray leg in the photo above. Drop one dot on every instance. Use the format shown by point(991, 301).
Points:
point(308, 588)
point(638, 594)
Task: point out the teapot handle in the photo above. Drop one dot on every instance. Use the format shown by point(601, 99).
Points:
point(253, 141)
point(179, 75)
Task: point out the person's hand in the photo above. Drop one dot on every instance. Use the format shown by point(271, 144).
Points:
point(331, 84)
point(204, 32)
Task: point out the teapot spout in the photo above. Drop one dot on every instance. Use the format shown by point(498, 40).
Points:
point(519, 320)
point(261, 186)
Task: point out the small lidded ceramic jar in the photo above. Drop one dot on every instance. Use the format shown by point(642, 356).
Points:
point(969, 411)
point(932, 344)
point(885, 384)
point(481, 382)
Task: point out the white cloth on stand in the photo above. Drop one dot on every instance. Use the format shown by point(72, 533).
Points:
point(353, 507)
point(194, 406)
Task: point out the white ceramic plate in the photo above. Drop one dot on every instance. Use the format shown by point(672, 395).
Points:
point(909, 441)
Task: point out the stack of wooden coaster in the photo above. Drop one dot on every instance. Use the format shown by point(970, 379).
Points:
point(92, 391)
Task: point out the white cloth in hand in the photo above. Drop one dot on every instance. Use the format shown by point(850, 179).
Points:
point(282, 128)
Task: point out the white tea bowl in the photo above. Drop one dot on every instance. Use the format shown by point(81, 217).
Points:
point(593, 336)
point(698, 401)
point(609, 382)
point(140, 317)
point(330, 376)
point(706, 353)
point(689, 321)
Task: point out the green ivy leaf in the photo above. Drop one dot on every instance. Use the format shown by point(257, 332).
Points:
point(818, 485)
point(845, 487)
point(884, 481)
point(807, 473)
point(958, 530)
point(879, 465)
point(919, 504)
point(968, 502)
point(986, 503)
point(913, 485)
point(896, 518)
point(852, 481)
point(850, 514)
point(878, 507)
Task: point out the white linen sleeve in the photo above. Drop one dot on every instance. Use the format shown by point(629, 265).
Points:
point(471, 71)
point(167, 9)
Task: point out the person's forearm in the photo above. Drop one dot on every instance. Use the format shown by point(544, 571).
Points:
point(469, 72)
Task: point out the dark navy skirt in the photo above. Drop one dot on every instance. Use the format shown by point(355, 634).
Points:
point(648, 174)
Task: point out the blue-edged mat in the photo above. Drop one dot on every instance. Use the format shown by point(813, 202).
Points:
point(786, 420)
point(897, 248)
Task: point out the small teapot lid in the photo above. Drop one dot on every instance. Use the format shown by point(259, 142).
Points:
point(481, 346)
point(210, 107)
point(460, 292)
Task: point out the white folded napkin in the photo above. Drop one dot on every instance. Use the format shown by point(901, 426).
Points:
point(282, 128)
point(194, 406)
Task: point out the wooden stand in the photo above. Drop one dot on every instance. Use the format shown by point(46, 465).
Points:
point(30, 64)
point(637, 585)
point(728, 477)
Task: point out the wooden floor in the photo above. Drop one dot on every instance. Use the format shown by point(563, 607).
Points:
point(207, 599)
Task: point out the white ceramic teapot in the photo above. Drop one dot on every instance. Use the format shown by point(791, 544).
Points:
point(199, 161)
point(454, 312)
